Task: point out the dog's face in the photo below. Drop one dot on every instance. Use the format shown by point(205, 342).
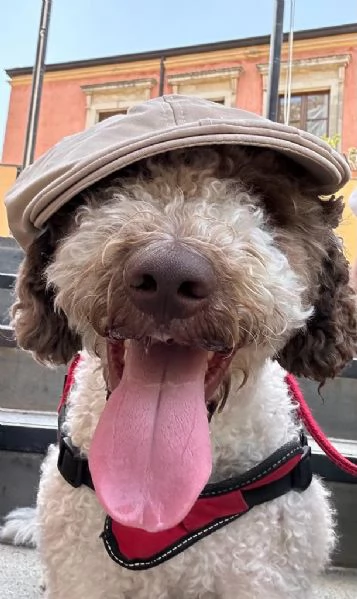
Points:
point(184, 264)
point(181, 253)
point(220, 249)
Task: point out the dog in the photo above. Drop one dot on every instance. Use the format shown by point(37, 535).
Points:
point(190, 282)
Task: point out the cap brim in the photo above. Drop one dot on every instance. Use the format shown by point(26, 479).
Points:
point(84, 159)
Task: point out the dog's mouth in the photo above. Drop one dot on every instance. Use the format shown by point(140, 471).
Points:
point(150, 456)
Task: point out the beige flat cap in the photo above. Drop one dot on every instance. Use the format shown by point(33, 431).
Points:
point(159, 125)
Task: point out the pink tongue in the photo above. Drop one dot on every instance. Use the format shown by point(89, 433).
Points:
point(150, 456)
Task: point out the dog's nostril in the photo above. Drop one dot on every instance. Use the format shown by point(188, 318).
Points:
point(145, 283)
point(192, 290)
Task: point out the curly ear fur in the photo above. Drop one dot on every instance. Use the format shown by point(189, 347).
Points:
point(329, 340)
point(353, 276)
point(39, 327)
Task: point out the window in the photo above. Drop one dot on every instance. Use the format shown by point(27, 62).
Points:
point(217, 85)
point(308, 111)
point(107, 114)
point(107, 99)
point(317, 90)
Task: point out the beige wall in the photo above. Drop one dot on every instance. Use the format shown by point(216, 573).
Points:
point(8, 175)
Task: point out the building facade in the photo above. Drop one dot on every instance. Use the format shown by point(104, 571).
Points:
point(79, 94)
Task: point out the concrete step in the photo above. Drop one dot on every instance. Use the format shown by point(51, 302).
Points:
point(25, 385)
point(20, 577)
point(10, 255)
point(338, 584)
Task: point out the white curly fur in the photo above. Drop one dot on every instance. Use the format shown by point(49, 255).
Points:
point(275, 550)
point(272, 552)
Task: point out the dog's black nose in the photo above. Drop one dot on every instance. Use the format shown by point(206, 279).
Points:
point(169, 281)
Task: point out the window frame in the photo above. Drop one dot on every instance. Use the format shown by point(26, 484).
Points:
point(115, 95)
point(214, 84)
point(120, 111)
point(304, 108)
point(316, 74)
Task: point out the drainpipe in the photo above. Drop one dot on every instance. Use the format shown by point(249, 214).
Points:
point(162, 76)
point(276, 41)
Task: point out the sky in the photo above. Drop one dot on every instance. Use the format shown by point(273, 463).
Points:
point(82, 29)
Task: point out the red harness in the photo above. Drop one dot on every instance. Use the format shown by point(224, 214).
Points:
point(219, 504)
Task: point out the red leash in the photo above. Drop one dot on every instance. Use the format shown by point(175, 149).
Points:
point(313, 428)
point(69, 381)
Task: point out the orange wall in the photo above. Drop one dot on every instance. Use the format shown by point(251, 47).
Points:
point(16, 125)
point(8, 175)
point(348, 227)
point(349, 137)
point(63, 112)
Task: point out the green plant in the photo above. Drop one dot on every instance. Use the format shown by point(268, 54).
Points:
point(332, 141)
point(352, 158)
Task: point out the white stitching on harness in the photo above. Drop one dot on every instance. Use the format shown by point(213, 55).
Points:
point(202, 532)
point(252, 480)
point(167, 553)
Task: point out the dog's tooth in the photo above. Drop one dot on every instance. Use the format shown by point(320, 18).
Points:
point(159, 336)
point(147, 344)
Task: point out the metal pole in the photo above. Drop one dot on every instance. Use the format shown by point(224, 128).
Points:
point(276, 41)
point(162, 76)
point(37, 81)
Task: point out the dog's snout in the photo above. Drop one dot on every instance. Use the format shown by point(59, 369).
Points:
point(169, 281)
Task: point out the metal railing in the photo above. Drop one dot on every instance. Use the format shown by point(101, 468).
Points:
point(7, 338)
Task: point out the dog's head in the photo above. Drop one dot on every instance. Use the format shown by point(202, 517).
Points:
point(218, 249)
point(169, 271)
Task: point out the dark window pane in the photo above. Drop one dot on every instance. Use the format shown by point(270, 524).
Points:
point(281, 110)
point(105, 115)
point(317, 106)
point(308, 111)
point(295, 109)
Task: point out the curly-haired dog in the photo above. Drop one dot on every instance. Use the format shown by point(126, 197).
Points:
point(191, 280)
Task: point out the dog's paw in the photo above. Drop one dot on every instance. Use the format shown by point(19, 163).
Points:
point(20, 528)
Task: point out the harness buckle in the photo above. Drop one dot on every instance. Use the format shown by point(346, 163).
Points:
point(70, 462)
point(302, 473)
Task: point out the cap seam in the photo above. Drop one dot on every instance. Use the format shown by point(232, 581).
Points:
point(166, 99)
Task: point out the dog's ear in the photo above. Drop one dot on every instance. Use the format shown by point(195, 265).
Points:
point(353, 276)
point(39, 327)
point(329, 340)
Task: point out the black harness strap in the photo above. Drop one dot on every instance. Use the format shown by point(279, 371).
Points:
point(75, 470)
point(72, 465)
